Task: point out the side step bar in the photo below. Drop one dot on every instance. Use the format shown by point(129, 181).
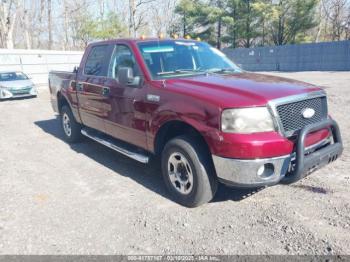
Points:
point(111, 143)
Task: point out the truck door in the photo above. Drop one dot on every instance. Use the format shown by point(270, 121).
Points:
point(126, 119)
point(91, 92)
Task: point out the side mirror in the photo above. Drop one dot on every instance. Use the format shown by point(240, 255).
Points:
point(126, 77)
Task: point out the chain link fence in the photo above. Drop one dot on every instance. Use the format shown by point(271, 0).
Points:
point(328, 56)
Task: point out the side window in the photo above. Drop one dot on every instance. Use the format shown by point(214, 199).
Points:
point(95, 63)
point(122, 57)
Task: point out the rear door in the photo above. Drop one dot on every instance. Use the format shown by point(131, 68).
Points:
point(92, 94)
point(126, 118)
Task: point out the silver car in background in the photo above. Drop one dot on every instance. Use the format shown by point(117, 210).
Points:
point(16, 84)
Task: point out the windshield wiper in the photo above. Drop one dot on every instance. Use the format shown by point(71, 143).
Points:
point(222, 70)
point(179, 71)
point(208, 71)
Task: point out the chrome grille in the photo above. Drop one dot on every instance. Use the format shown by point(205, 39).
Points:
point(291, 114)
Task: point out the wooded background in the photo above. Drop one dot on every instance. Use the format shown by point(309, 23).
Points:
point(72, 24)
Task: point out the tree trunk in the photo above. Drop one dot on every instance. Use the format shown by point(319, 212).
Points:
point(184, 28)
point(9, 41)
point(65, 25)
point(248, 29)
point(27, 32)
point(11, 27)
point(280, 31)
point(131, 18)
point(218, 44)
point(319, 28)
point(7, 23)
point(234, 27)
point(263, 32)
point(102, 8)
point(49, 24)
point(40, 18)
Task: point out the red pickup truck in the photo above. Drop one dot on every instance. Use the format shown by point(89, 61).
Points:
point(208, 120)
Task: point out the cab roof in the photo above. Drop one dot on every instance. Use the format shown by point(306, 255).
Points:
point(141, 40)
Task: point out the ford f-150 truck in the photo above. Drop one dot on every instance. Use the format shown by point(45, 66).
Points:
point(206, 119)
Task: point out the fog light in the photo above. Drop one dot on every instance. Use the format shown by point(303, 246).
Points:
point(266, 170)
point(4, 93)
point(33, 92)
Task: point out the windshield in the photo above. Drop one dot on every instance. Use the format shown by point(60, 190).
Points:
point(12, 76)
point(168, 59)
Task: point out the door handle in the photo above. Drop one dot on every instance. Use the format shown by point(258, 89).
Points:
point(105, 91)
point(80, 87)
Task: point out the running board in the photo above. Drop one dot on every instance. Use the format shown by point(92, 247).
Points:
point(113, 144)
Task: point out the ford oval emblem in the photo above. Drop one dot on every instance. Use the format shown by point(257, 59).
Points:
point(308, 112)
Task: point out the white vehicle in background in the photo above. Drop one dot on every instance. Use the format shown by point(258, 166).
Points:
point(16, 84)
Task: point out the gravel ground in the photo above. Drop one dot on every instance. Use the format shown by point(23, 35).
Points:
point(86, 199)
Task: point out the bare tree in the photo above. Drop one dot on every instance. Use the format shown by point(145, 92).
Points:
point(335, 11)
point(347, 25)
point(8, 17)
point(137, 15)
point(77, 14)
point(162, 16)
point(320, 24)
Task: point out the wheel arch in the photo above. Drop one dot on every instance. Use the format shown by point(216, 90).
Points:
point(62, 101)
point(175, 128)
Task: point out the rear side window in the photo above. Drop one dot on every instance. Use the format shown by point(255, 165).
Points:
point(96, 62)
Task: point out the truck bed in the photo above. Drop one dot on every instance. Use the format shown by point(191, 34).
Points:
point(59, 80)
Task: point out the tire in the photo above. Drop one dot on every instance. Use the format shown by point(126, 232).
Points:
point(181, 157)
point(71, 128)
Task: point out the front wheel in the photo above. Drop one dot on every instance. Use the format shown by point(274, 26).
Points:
point(71, 128)
point(188, 171)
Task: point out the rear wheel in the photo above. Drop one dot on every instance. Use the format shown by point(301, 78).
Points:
point(188, 171)
point(71, 128)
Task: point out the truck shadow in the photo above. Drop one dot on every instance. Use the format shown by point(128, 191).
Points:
point(148, 175)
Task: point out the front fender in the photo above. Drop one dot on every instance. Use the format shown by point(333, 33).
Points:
point(202, 118)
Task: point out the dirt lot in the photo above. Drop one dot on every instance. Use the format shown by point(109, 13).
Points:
point(86, 199)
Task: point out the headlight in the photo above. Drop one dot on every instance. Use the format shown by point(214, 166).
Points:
point(247, 120)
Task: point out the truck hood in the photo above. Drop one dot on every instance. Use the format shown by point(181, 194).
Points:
point(239, 90)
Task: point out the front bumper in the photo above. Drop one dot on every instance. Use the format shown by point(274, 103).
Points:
point(288, 168)
point(9, 93)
